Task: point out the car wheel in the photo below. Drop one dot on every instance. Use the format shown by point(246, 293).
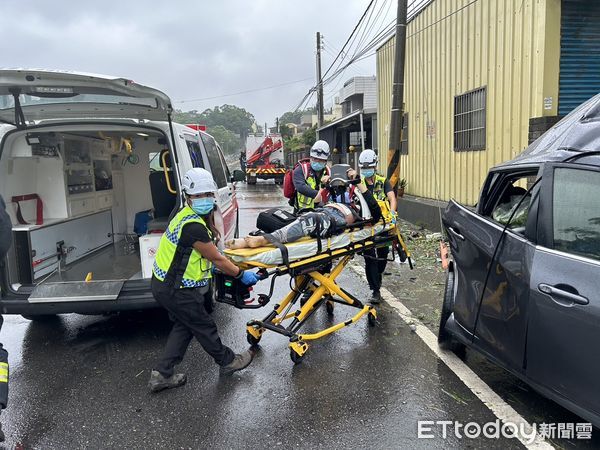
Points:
point(39, 317)
point(445, 340)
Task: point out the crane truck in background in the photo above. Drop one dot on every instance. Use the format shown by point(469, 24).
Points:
point(264, 158)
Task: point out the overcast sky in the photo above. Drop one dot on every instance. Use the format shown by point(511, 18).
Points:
point(191, 49)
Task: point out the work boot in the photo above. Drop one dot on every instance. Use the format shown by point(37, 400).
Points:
point(158, 382)
point(375, 298)
point(240, 361)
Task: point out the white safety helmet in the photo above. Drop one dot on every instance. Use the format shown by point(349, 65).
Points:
point(198, 181)
point(367, 159)
point(320, 150)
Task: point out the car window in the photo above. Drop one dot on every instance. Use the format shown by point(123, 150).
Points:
point(154, 161)
point(195, 154)
point(225, 166)
point(510, 204)
point(214, 160)
point(576, 212)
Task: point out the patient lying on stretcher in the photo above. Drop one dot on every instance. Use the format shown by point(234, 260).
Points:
point(332, 218)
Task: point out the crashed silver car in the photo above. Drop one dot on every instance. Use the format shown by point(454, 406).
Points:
point(523, 285)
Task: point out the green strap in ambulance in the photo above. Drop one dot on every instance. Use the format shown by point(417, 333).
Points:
point(198, 269)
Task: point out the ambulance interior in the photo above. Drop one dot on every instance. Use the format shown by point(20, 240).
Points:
point(86, 203)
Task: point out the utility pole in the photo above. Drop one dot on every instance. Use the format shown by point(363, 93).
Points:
point(397, 97)
point(319, 84)
point(277, 122)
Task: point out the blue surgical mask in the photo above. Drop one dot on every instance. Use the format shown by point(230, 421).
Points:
point(317, 166)
point(367, 173)
point(203, 206)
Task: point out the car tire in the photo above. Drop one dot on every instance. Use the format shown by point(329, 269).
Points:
point(445, 340)
point(39, 317)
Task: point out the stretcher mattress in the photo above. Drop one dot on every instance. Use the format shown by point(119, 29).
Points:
point(304, 248)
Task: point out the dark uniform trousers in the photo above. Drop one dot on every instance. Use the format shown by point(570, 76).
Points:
point(187, 311)
point(375, 263)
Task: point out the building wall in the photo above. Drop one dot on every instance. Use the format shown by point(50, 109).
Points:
point(361, 85)
point(512, 47)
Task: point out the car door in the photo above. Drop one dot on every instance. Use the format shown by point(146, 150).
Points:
point(491, 274)
point(225, 219)
point(564, 320)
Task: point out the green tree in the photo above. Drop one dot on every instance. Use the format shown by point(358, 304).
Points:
point(285, 131)
point(187, 117)
point(309, 137)
point(232, 117)
point(229, 141)
point(291, 117)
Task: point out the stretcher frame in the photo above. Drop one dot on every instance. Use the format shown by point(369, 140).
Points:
point(309, 276)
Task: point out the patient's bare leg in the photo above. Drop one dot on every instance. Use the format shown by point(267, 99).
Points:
point(255, 241)
point(247, 242)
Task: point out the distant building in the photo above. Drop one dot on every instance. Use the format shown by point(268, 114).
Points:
point(482, 80)
point(358, 104)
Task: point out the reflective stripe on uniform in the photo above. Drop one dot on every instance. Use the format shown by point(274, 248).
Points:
point(378, 187)
point(198, 269)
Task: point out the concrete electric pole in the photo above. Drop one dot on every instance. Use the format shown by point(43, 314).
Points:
point(319, 83)
point(393, 173)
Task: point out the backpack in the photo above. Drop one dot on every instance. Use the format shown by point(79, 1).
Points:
point(289, 190)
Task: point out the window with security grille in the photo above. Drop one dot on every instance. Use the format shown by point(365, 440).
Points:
point(355, 137)
point(469, 120)
point(404, 135)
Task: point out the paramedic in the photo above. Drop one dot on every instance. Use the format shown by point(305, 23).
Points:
point(5, 241)
point(309, 178)
point(333, 218)
point(381, 188)
point(180, 282)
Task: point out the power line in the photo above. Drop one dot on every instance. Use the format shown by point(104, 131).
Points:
point(349, 37)
point(245, 92)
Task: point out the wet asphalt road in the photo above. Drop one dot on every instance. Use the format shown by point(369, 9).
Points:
point(80, 381)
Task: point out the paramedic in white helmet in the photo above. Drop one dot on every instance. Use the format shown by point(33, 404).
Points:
point(381, 188)
point(310, 177)
point(180, 282)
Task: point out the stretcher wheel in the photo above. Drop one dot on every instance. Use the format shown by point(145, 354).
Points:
point(253, 341)
point(329, 307)
point(297, 351)
point(296, 358)
point(372, 319)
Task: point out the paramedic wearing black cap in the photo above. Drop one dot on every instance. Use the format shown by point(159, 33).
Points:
point(5, 241)
point(180, 282)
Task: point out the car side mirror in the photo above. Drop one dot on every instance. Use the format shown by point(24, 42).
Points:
point(238, 175)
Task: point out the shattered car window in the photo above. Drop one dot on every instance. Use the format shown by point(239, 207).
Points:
point(510, 205)
point(576, 212)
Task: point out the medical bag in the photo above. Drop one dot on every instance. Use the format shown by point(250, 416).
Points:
point(274, 219)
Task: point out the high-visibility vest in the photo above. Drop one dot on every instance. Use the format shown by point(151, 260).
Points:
point(197, 270)
point(302, 201)
point(378, 187)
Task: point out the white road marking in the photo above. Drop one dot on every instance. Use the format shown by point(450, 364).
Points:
point(499, 407)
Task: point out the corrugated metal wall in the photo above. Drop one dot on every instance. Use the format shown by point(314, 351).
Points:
point(511, 47)
point(580, 53)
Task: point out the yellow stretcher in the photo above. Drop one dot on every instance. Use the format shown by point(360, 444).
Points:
point(315, 277)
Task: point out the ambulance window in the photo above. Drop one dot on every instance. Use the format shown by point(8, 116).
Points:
point(195, 154)
point(216, 167)
point(227, 173)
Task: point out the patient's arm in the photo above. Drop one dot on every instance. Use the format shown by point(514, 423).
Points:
point(371, 202)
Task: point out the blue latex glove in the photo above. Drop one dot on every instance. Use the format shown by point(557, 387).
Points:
point(394, 217)
point(249, 278)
